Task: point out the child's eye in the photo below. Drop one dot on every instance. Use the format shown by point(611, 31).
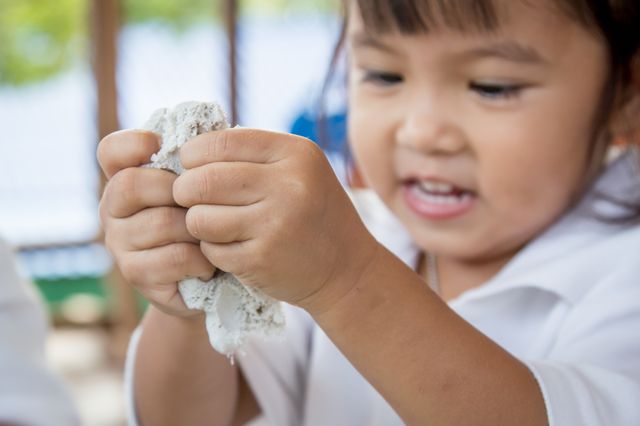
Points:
point(381, 78)
point(496, 91)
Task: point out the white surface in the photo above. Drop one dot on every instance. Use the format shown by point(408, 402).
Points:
point(80, 356)
point(49, 179)
point(30, 394)
point(279, 61)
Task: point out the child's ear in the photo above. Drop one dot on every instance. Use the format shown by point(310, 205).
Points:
point(625, 122)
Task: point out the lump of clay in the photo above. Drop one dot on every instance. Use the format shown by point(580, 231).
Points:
point(233, 311)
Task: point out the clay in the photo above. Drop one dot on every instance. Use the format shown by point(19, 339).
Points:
point(233, 310)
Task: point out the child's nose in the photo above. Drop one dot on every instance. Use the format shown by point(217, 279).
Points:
point(430, 133)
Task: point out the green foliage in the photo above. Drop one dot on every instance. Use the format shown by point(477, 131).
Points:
point(39, 38)
point(280, 6)
point(178, 14)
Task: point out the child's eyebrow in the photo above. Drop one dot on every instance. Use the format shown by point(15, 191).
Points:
point(364, 40)
point(508, 50)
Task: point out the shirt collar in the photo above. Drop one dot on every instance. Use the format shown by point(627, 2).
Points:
point(580, 248)
point(565, 260)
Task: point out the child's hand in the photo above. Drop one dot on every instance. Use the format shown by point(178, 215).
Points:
point(144, 228)
point(269, 209)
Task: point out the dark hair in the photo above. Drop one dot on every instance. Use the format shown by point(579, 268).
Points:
point(616, 21)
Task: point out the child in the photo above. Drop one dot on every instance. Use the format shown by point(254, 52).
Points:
point(483, 127)
point(30, 394)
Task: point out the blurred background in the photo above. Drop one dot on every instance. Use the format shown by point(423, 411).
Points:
point(72, 71)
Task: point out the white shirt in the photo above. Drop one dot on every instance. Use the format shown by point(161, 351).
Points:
point(29, 393)
point(568, 306)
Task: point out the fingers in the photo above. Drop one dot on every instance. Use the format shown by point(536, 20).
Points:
point(127, 148)
point(134, 189)
point(223, 224)
point(250, 145)
point(165, 265)
point(231, 184)
point(230, 257)
point(153, 227)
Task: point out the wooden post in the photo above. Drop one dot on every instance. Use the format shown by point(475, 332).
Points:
point(105, 24)
point(105, 21)
point(231, 24)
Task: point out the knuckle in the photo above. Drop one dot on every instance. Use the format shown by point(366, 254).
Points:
point(117, 239)
point(276, 225)
point(194, 222)
point(144, 140)
point(103, 212)
point(253, 135)
point(111, 205)
point(102, 155)
point(106, 154)
point(129, 268)
point(312, 150)
point(178, 256)
point(124, 191)
point(109, 243)
point(300, 189)
point(258, 260)
point(204, 183)
point(216, 257)
point(219, 145)
point(140, 144)
point(161, 219)
point(180, 190)
point(207, 250)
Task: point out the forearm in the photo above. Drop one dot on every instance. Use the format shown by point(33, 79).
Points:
point(432, 366)
point(179, 378)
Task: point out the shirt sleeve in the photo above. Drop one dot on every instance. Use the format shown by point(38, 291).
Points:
point(587, 395)
point(29, 392)
point(592, 375)
point(277, 370)
point(130, 403)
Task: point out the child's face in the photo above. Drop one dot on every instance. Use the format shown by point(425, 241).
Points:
point(477, 141)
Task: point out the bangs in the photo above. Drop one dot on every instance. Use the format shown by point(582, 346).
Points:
point(420, 16)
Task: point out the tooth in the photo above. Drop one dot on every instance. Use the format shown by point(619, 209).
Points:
point(444, 187)
point(427, 186)
point(430, 196)
point(431, 186)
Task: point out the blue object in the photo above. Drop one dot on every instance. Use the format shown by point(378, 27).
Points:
point(306, 124)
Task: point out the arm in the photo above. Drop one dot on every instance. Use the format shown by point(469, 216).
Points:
point(197, 384)
point(433, 368)
point(268, 209)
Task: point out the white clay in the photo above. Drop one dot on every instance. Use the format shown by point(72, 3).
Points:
point(233, 311)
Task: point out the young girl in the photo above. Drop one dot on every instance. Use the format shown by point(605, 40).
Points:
point(482, 127)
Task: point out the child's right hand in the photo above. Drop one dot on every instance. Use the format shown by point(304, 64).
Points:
point(144, 228)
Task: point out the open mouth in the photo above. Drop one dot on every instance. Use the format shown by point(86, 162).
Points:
point(436, 200)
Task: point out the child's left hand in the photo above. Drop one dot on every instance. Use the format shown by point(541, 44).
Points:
point(269, 209)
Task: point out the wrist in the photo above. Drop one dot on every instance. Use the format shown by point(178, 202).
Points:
point(192, 325)
point(344, 281)
point(381, 287)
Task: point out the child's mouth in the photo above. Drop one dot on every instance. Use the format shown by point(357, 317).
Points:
point(437, 200)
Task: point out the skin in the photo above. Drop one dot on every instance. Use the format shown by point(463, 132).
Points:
point(266, 207)
point(451, 114)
